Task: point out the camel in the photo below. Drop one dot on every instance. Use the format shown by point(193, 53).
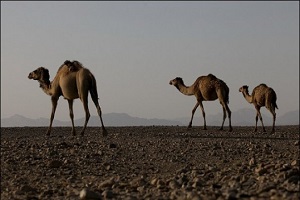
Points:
point(262, 95)
point(72, 81)
point(206, 88)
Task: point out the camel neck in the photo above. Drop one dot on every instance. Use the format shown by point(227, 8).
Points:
point(46, 87)
point(247, 97)
point(185, 89)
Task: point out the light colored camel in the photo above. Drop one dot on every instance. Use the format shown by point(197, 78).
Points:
point(262, 95)
point(206, 88)
point(72, 81)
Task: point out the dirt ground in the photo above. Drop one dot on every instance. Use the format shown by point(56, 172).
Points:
point(150, 163)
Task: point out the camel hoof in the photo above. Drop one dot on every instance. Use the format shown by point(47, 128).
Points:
point(104, 133)
point(82, 133)
point(73, 133)
point(230, 129)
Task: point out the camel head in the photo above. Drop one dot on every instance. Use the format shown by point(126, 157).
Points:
point(40, 74)
point(244, 88)
point(176, 81)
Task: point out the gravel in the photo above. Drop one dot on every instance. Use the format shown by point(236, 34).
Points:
point(153, 162)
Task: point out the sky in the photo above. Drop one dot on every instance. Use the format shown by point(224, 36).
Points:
point(135, 48)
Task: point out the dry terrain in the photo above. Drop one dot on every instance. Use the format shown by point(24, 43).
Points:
point(150, 163)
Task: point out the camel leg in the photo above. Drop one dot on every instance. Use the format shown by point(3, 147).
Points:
point(224, 116)
point(261, 119)
point(203, 114)
point(95, 100)
point(256, 119)
point(72, 115)
point(272, 110)
point(193, 112)
point(54, 105)
point(229, 116)
point(84, 99)
point(274, 118)
point(225, 107)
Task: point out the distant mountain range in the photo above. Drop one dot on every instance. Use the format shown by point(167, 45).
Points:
point(111, 119)
point(242, 117)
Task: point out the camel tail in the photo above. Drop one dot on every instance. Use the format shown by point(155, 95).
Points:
point(227, 95)
point(274, 99)
point(271, 99)
point(93, 89)
point(228, 100)
point(275, 105)
point(225, 92)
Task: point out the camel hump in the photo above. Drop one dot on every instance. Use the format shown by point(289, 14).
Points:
point(263, 85)
point(68, 67)
point(212, 76)
point(73, 66)
point(260, 89)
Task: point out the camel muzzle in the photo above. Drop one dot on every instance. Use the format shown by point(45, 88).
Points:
point(30, 76)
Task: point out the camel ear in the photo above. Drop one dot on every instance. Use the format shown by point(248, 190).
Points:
point(179, 79)
point(45, 74)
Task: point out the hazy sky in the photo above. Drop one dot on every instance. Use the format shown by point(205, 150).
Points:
point(135, 48)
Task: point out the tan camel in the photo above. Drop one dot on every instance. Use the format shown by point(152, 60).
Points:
point(72, 81)
point(206, 88)
point(262, 95)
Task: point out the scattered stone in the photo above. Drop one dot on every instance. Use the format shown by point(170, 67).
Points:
point(87, 194)
point(174, 185)
point(160, 184)
point(107, 194)
point(285, 167)
point(137, 182)
point(260, 170)
point(108, 167)
point(108, 183)
point(295, 163)
point(252, 161)
point(154, 181)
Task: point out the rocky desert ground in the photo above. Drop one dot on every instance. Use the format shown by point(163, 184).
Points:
point(153, 162)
